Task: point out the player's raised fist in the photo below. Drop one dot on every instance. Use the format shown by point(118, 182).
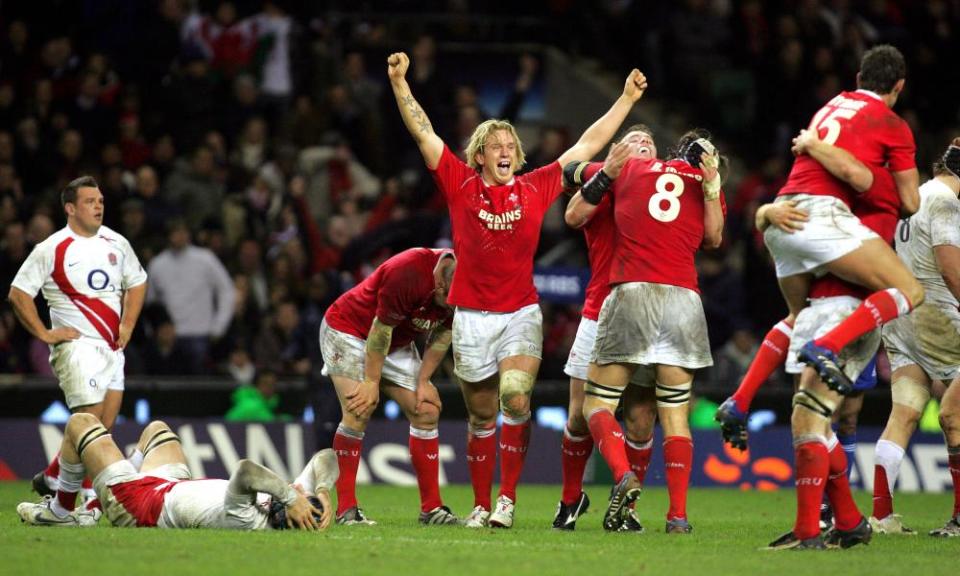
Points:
point(635, 85)
point(397, 64)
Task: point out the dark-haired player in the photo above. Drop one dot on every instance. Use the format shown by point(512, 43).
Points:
point(157, 491)
point(652, 323)
point(94, 286)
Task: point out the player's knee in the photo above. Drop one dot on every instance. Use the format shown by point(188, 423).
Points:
point(156, 434)
point(427, 418)
point(79, 422)
point(515, 389)
point(482, 420)
point(577, 424)
point(847, 425)
point(911, 393)
point(949, 420)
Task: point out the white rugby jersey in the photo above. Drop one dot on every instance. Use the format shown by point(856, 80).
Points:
point(936, 223)
point(206, 503)
point(83, 280)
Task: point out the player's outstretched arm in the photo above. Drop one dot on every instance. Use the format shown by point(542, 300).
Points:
point(600, 132)
point(837, 161)
point(364, 398)
point(250, 478)
point(438, 342)
point(26, 310)
point(414, 118)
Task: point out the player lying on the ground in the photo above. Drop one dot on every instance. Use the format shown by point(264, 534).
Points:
point(162, 494)
point(925, 345)
point(653, 319)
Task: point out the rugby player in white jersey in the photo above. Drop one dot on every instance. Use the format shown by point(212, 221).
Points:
point(94, 286)
point(156, 490)
point(925, 345)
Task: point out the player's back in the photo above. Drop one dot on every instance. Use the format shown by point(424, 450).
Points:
point(862, 124)
point(206, 503)
point(658, 209)
point(936, 223)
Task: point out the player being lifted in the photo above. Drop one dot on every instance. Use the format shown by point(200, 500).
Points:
point(834, 240)
point(497, 325)
point(925, 345)
point(155, 489)
point(652, 323)
point(94, 286)
point(367, 343)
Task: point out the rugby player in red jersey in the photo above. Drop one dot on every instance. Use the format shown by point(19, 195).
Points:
point(497, 326)
point(367, 343)
point(863, 124)
point(652, 324)
point(639, 407)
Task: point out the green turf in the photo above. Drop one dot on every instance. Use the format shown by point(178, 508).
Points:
point(730, 526)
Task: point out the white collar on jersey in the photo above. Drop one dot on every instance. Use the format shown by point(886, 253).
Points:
point(869, 93)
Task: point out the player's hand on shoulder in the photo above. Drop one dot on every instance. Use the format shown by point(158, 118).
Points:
point(64, 334)
point(616, 158)
point(635, 85)
point(397, 64)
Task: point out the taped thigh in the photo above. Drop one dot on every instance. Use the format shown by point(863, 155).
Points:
point(161, 437)
point(817, 404)
point(909, 392)
point(609, 395)
point(89, 436)
point(673, 396)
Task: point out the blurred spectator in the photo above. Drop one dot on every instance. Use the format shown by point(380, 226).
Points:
point(196, 291)
point(283, 342)
point(194, 188)
point(257, 402)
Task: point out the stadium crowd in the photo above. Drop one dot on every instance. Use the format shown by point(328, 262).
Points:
point(257, 144)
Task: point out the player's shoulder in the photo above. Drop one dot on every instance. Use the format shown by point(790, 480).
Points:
point(53, 240)
point(111, 235)
point(936, 194)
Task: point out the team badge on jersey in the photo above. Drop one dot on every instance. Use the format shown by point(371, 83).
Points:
point(112, 258)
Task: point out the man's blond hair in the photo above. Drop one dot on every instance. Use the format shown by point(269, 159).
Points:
point(479, 139)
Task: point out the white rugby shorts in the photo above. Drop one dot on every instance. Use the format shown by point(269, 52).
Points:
point(578, 361)
point(822, 316)
point(832, 231)
point(646, 323)
point(481, 340)
point(928, 337)
point(86, 371)
point(345, 355)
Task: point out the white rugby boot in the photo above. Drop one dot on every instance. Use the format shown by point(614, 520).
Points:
point(502, 516)
point(477, 518)
point(40, 514)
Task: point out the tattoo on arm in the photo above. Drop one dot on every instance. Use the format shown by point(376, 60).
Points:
point(417, 113)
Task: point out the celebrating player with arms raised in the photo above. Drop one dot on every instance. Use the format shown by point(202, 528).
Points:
point(497, 327)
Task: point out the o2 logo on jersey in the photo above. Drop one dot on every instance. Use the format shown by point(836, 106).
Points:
point(98, 280)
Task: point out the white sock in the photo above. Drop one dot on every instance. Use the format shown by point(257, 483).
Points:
point(889, 455)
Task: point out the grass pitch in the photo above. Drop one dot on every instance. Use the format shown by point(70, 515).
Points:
point(729, 528)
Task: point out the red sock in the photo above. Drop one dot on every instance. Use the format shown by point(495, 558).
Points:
point(348, 449)
point(678, 460)
point(953, 461)
point(574, 454)
point(87, 483)
point(813, 466)
point(53, 468)
point(514, 439)
point(882, 495)
point(846, 515)
point(425, 455)
point(770, 356)
point(608, 437)
point(878, 309)
point(481, 460)
point(638, 454)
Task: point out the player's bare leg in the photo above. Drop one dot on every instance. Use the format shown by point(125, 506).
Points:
point(874, 265)
point(639, 418)
point(482, 400)
point(517, 377)
point(424, 444)
point(910, 390)
point(576, 448)
point(348, 444)
point(605, 386)
point(673, 407)
point(950, 424)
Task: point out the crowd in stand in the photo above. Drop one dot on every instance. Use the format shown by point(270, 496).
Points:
point(253, 157)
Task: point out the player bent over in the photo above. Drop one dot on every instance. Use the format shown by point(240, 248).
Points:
point(161, 494)
point(498, 326)
point(925, 345)
point(367, 344)
point(577, 444)
point(94, 286)
point(653, 318)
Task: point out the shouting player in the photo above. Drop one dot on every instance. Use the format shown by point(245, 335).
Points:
point(652, 323)
point(95, 287)
point(367, 344)
point(497, 325)
point(156, 490)
point(925, 346)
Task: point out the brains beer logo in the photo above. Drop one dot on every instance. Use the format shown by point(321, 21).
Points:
point(768, 473)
